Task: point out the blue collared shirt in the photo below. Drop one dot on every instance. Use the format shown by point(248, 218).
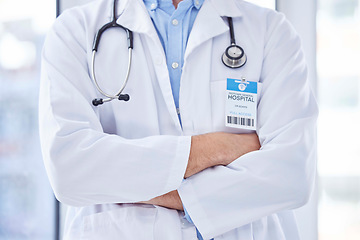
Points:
point(173, 27)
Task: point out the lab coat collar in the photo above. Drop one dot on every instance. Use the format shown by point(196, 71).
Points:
point(133, 14)
point(210, 23)
point(227, 8)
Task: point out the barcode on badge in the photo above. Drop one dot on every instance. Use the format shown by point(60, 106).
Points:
point(248, 122)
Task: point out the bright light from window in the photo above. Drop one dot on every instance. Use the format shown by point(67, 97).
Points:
point(265, 3)
point(339, 98)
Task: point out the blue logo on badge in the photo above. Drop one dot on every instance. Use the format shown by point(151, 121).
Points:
point(241, 86)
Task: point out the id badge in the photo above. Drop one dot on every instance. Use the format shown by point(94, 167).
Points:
point(241, 104)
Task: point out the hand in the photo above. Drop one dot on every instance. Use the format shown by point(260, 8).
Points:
point(170, 200)
point(206, 151)
point(218, 148)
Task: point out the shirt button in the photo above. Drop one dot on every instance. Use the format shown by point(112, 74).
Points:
point(197, 3)
point(175, 22)
point(174, 65)
point(153, 6)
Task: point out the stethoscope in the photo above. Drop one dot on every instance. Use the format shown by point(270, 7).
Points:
point(233, 57)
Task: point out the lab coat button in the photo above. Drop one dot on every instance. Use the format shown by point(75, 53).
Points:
point(175, 65)
point(153, 6)
point(175, 22)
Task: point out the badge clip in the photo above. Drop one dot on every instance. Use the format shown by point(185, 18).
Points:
point(242, 84)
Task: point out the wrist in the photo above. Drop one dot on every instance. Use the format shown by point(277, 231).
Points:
point(199, 158)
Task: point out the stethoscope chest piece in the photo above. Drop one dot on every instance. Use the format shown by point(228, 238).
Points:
point(234, 56)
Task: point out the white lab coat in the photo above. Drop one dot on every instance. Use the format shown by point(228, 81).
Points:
point(126, 152)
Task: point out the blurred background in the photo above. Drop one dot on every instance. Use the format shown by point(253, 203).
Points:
point(27, 205)
point(330, 30)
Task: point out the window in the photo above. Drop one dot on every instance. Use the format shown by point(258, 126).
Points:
point(265, 3)
point(26, 201)
point(339, 98)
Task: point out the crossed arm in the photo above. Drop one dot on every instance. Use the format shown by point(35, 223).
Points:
point(206, 151)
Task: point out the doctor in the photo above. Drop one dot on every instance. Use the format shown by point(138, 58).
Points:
point(127, 170)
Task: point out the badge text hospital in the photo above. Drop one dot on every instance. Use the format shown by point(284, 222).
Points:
point(241, 104)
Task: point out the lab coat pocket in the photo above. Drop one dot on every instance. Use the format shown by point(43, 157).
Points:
point(218, 104)
point(125, 223)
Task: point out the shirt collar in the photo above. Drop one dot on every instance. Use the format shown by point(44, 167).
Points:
point(198, 3)
point(154, 4)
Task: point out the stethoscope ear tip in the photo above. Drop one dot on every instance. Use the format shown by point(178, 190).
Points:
point(124, 97)
point(97, 101)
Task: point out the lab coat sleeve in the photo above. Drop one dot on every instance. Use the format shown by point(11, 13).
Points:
point(281, 174)
point(85, 165)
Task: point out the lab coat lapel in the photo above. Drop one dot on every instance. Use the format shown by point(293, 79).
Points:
point(134, 16)
point(209, 22)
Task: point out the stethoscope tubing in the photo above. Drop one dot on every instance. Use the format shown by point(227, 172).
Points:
point(110, 97)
